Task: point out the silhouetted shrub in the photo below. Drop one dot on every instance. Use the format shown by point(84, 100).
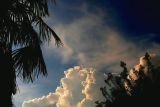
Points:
point(138, 87)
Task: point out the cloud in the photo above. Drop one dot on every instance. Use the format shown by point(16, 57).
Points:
point(79, 88)
point(44, 101)
point(92, 42)
point(25, 92)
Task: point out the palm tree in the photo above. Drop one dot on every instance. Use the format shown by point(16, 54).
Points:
point(22, 32)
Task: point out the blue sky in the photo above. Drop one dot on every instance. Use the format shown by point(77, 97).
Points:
point(95, 33)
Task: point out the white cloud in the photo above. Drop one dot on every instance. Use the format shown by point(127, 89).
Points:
point(44, 101)
point(79, 88)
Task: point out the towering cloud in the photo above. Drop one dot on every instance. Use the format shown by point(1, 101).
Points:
point(79, 88)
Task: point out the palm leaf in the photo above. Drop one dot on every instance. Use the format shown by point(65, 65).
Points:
point(39, 7)
point(29, 63)
point(23, 34)
point(45, 32)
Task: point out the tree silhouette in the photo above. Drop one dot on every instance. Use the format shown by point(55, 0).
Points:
point(22, 32)
point(138, 87)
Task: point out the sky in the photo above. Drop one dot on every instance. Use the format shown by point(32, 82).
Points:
point(97, 35)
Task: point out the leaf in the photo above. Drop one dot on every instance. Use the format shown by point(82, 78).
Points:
point(29, 62)
point(45, 32)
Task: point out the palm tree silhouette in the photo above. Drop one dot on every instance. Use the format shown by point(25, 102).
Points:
point(22, 32)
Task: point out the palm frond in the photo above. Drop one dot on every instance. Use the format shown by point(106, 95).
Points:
point(29, 63)
point(19, 11)
point(45, 32)
point(39, 7)
point(19, 34)
point(17, 27)
point(28, 35)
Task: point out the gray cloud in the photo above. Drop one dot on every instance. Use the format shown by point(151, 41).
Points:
point(92, 43)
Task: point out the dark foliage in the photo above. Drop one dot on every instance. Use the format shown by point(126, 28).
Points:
point(22, 27)
point(143, 90)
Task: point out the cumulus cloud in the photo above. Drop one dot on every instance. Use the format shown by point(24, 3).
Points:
point(79, 88)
